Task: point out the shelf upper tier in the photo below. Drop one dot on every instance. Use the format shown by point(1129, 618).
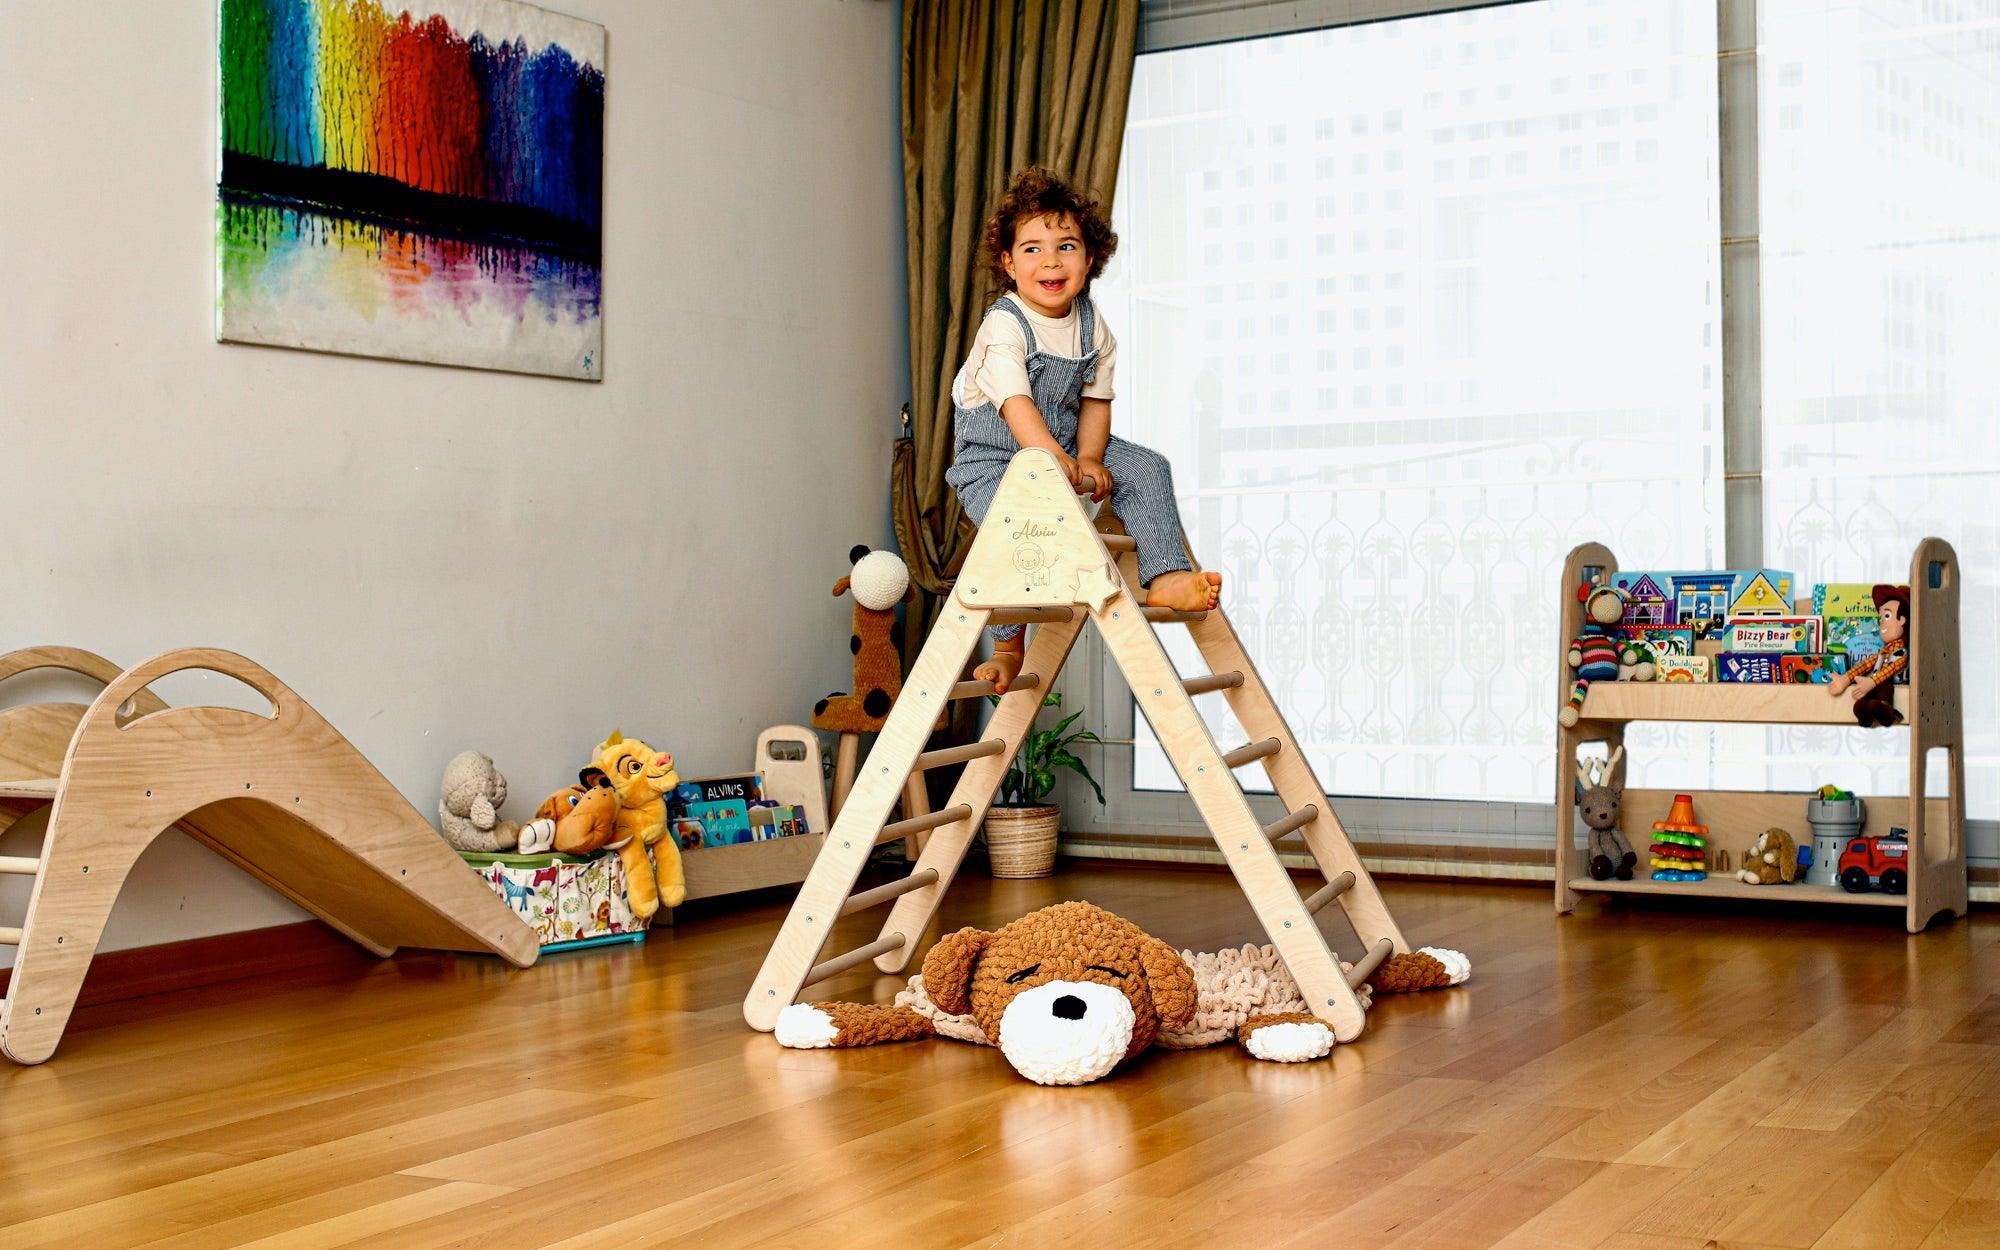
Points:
point(1722, 701)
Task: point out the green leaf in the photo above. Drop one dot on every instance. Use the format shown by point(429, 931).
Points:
point(1077, 766)
point(1065, 723)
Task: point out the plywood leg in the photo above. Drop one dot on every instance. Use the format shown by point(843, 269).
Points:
point(1567, 741)
point(87, 858)
point(846, 755)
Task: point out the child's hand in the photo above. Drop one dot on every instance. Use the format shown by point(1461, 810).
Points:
point(1070, 468)
point(1093, 474)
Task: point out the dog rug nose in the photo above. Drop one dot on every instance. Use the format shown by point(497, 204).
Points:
point(1068, 1007)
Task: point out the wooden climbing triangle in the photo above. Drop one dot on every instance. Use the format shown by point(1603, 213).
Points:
point(1040, 560)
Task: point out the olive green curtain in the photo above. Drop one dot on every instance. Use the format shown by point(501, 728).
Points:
point(989, 86)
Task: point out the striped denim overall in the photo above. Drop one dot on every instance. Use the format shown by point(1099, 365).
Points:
point(1142, 491)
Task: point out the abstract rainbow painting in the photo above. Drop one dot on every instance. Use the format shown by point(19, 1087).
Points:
point(421, 179)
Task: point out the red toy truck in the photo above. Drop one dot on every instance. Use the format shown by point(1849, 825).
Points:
point(1882, 861)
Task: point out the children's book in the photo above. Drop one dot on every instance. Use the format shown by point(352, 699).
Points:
point(1816, 670)
point(1798, 635)
point(1749, 666)
point(1849, 622)
point(1682, 668)
point(1664, 640)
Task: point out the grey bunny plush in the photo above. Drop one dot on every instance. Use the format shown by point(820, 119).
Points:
point(1610, 854)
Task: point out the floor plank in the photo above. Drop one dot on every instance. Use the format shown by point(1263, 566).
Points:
point(1629, 1076)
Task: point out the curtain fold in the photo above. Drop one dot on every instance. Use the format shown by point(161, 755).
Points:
point(988, 87)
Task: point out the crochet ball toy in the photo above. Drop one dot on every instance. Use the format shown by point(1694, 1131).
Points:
point(1069, 992)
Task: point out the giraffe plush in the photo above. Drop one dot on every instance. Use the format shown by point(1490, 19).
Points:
point(879, 581)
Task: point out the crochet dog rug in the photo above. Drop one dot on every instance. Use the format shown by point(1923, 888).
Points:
point(1069, 992)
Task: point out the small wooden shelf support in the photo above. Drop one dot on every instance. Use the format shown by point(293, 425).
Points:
point(1931, 706)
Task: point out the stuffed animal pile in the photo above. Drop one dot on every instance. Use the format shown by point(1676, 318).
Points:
point(618, 803)
point(1069, 992)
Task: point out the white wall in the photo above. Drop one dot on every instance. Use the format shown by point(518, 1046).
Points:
point(441, 558)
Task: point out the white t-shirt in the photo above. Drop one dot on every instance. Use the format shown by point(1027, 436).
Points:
point(996, 370)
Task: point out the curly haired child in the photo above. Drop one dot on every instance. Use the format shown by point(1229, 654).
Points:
point(1039, 375)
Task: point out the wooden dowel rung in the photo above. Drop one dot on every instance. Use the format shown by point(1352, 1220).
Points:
point(883, 893)
point(1214, 681)
point(980, 689)
point(1171, 615)
point(1251, 751)
point(1120, 542)
point(10, 937)
point(19, 865)
point(958, 755)
point(860, 954)
point(1368, 963)
point(1329, 892)
point(1030, 616)
point(1297, 820)
point(922, 824)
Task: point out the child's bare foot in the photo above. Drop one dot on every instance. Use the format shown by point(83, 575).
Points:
point(1003, 667)
point(1185, 591)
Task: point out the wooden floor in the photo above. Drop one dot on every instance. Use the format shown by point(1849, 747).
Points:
point(1631, 1076)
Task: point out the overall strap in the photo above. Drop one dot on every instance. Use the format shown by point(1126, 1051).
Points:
point(1089, 333)
point(1027, 329)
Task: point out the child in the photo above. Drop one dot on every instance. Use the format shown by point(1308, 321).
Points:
point(1040, 376)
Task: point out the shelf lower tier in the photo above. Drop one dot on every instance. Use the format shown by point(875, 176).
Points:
point(1730, 887)
point(1722, 701)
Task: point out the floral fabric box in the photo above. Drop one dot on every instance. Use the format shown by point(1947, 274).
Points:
point(568, 901)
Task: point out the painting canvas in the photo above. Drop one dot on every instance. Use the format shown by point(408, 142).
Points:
point(421, 179)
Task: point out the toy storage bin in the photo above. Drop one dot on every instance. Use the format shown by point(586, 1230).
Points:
point(569, 902)
point(1835, 823)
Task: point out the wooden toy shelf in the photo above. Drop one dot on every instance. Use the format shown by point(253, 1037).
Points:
point(1930, 705)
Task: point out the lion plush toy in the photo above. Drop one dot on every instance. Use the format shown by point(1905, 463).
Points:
point(1773, 859)
point(643, 777)
point(1069, 992)
point(584, 817)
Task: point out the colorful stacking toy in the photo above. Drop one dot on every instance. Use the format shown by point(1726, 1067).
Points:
point(1680, 844)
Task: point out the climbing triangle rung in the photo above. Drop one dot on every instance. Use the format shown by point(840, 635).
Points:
point(19, 865)
point(1169, 615)
point(1031, 616)
point(10, 937)
point(883, 893)
point(922, 824)
point(1330, 891)
point(1120, 542)
point(841, 963)
point(1214, 681)
point(1286, 824)
point(980, 689)
point(1252, 751)
point(1369, 962)
point(957, 755)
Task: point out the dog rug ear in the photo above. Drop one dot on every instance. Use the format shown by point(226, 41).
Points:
point(1171, 982)
point(948, 969)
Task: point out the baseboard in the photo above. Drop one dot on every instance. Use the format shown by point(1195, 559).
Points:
point(306, 945)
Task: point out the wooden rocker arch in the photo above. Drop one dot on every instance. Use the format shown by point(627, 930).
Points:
point(283, 796)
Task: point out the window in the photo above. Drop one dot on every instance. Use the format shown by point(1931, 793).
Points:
point(1880, 294)
point(1394, 572)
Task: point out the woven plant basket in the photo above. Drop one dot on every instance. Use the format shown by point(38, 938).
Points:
point(1021, 841)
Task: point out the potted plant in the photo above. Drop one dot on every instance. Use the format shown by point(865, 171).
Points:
point(1021, 826)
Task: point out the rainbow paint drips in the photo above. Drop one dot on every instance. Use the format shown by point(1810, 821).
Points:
point(467, 160)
